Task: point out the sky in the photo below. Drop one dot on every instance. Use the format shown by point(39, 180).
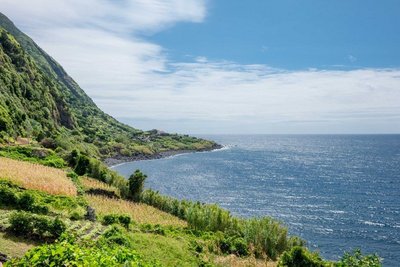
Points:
point(228, 67)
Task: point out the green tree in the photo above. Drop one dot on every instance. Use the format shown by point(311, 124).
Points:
point(136, 184)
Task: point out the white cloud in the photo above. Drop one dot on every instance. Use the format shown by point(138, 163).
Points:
point(99, 44)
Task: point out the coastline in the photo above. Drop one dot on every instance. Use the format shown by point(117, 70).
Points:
point(117, 160)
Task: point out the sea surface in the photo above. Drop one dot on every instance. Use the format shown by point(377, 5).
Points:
point(339, 192)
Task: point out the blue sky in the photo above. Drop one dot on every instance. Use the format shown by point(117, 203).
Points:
point(218, 66)
point(292, 34)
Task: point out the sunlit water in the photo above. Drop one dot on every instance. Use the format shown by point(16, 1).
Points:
point(338, 192)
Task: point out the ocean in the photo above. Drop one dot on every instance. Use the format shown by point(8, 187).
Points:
point(338, 192)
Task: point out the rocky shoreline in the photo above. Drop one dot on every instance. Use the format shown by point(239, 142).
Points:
point(122, 159)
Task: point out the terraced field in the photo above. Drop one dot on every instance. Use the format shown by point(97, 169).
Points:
point(83, 229)
point(37, 177)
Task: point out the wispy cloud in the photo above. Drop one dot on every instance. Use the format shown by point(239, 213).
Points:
point(102, 44)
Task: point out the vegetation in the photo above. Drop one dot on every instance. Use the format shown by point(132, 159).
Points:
point(140, 213)
point(123, 219)
point(68, 252)
point(35, 176)
point(300, 257)
point(95, 187)
point(53, 137)
point(32, 154)
point(265, 237)
point(357, 259)
point(36, 226)
point(136, 184)
point(14, 246)
point(41, 103)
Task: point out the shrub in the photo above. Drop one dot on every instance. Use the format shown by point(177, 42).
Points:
point(36, 226)
point(8, 197)
point(117, 236)
point(155, 229)
point(110, 219)
point(357, 259)
point(300, 257)
point(68, 253)
point(54, 161)
point(21, 223)
point(82, 165)
point(26, 201)
point(75, 216)
point(233, 245)
point(266, 235)
point(136, 184)
point(58, 227)
point(124, 220)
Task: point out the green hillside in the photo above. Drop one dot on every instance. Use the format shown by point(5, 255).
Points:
point(39, 101)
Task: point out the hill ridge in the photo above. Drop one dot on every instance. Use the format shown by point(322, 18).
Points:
point(39, 100)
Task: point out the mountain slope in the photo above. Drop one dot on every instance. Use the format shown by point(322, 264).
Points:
point(40, 101)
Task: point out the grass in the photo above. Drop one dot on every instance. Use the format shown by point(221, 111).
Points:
point(90, 183)
point(166, 250)
point(140, 213)
point(38, 177)
point(234, 261)
point(14, 246)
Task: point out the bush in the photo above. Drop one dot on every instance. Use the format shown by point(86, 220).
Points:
point(75, 216)
point(136, 184)
point(26, 201)
point(124, 220)
point(356, 259)
point(300, 257)
point(54, 162)
point(82, 165)
point(21, 223)
point(155, 229)
point(8, 197)
point(67, 253)
point(110, 219)
point(117, 236)
point(266, 236)
point(58, 227)
point(233, 245)
point(36, 226)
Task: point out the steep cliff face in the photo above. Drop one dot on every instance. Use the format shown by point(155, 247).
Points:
point(38, 99)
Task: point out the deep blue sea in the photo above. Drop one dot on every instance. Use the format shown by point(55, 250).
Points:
point(339, 192)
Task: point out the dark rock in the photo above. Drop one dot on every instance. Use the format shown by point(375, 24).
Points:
point(90, 214)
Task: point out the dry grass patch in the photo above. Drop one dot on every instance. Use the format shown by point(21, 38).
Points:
point(38, 177)
point(232, 260)
point(140, 213)
point(90, 183)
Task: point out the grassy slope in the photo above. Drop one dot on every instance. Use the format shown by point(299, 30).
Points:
point(140, 213)
point(168, 248)
point(14, 246)
point(170, 251)
point(35, 176)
